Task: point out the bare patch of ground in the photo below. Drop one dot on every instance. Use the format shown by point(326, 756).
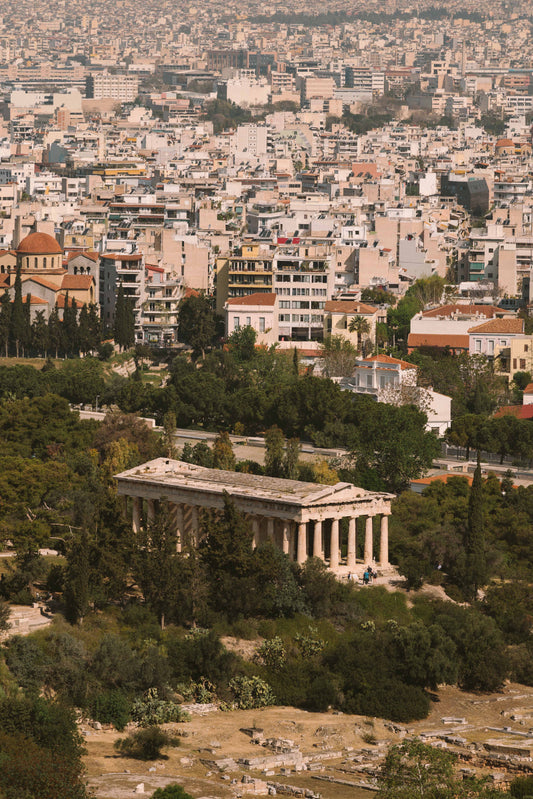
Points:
point(220, 735)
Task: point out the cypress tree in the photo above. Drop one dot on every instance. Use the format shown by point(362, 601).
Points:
point(475, 536)
point(95, 327)
point(5, 321)
point(39, 334)
point(55, 331)
point(119, 325)
point(129, 324)
point(70, 325)
point(18, 319)
point(77, 580)
point(26, 340)
point(84, 330)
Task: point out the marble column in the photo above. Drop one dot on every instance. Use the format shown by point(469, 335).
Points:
point(352, 543)
point(334, 545)
point(285, 538)
point(301, 555)
point(270, 531)
point(384, 541)
point(180, 527)
point(317, 541)
point(194, 524)
point(136, 524)
point(368, 541)
point(150, 514)
point(256, 531)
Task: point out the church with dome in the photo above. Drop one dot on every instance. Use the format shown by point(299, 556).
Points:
point(45, 275)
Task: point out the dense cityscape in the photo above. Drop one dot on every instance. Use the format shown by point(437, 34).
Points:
point(266, 400)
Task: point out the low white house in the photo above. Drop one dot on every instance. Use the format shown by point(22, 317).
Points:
point(259, 311)
point(394, 381)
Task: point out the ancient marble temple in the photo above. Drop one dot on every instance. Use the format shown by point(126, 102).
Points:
point(302, 519)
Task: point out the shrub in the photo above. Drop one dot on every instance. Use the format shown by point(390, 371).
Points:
point(145, 744)
point(151, 710)
point(522, 787)
point(251, 692)
point(272, 653)
point(173, 791)
point(392, 700)
point(111, 707)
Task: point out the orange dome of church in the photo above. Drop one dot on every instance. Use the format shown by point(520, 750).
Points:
point(39, 244)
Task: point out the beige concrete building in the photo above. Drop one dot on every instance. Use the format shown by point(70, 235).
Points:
point(302, 519)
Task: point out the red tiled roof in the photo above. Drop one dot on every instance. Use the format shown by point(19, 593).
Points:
point(441, 478)
point(122, 256)
point(79, 282)
point(499, 326)
point(90, 254)
point(253, 299)
point(529, 389)
point(455, 342)
point(41, 281)
point(39, 244)
point(350, 307)
point(488, 311)
point(390, 359)
point(520, 411)
point(60, 301)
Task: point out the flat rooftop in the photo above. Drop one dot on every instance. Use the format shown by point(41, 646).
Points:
point(181, 475)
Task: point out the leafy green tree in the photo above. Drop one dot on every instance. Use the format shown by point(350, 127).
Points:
point(196, 323)
point(292, 455)
point(273, 588)
point(223, 456)
point(241, 343)
point(18, 317)
point(392, 443)
point(4, 617)
point(124, 320)
point(338, 356)
point(226, 552)
point(157, 563)
point(274, 451)
point(169, 432)
point(414, 770)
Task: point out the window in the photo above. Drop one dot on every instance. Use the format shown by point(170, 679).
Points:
point(490, 347)
point(522, 363)
point(44, 262)
point(35, 263)
point(284, 304)
point(236, 322)
point(526, 347)
point(248, 321)
point(261, 324)
point(478, 345)
point(284, 317)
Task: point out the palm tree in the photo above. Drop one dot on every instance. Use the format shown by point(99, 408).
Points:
point(361, 326)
